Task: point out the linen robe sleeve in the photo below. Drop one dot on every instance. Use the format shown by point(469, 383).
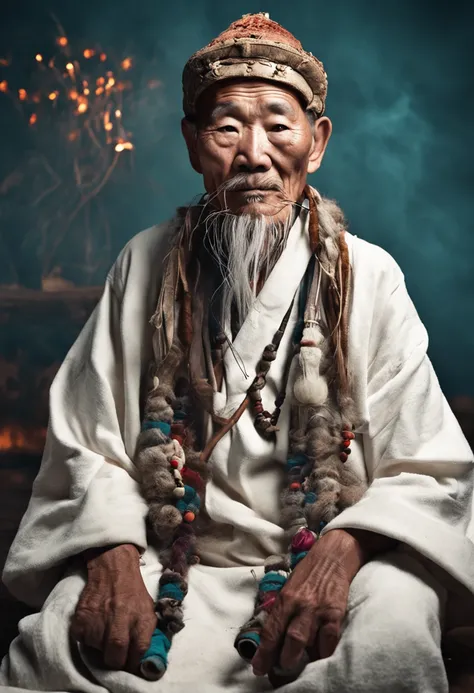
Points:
point(85, 494)
point(419, 465)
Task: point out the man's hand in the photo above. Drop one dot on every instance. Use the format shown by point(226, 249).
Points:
point(310, 608)
point(115, 613)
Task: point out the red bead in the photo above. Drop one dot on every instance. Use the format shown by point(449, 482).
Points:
point(295, 486)
point(348, 435)
point(189, 516)
point(343, 456)
point(174, 464)
point(346, 443)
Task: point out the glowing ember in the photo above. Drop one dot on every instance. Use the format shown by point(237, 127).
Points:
point(120, 146)
point(39, 57)
point(73, 94)
point(17, 439)
point(99, 91)
point(69, 66)
point(126, 64)
point(82, 108)
point(4, 86)
point(53, 96)
point(73, 135)
point(100, 80)
point(110, 83)
point(4, 62)
point(118, 113)
point(33, 118)
point(109, 126)
point(103, 57)
point(89, 53)
point(22, 95)
point(62, 41)
point(87, 92)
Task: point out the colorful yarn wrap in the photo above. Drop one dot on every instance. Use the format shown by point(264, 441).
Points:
point(154, 662)
point(173, 449)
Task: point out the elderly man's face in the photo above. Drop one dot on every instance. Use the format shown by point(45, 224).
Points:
point(258, 129)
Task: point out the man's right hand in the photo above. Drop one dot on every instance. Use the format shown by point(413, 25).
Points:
point(115, 612)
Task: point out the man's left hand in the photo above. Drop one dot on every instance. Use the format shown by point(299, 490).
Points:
point(311, 606)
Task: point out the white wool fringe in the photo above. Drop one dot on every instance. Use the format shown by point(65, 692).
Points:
point(310, 387)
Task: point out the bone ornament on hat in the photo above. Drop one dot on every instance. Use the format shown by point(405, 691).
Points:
point(255, 47)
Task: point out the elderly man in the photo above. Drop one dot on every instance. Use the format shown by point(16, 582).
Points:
point(184, 528)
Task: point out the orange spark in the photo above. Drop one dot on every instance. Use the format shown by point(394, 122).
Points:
point(53, 96)
point(100, 80)
point(83, 106)
point(87, 92)
point(33, 118)
point(22, 95)
point(73, 135)
point(4, 86)
point(110, 83)
point(118, 113)
point(73, 95)
point(126, 64)
point(109, 126)
point(69, 66)
point(62, 41)
point(89, 53)
point(4, 62)
point(120, 146)
point(38, 57)
point(103, 57)
point(99, 91)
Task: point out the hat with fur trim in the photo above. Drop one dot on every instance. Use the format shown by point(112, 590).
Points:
point(259, 48)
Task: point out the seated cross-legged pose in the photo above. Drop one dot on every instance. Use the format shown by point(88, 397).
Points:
point(251, 475)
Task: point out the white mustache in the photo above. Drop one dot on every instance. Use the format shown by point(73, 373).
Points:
point(244, 182)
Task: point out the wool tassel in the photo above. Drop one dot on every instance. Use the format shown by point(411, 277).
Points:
point(310, 387)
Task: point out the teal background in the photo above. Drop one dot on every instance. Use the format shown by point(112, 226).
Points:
point(400, 158)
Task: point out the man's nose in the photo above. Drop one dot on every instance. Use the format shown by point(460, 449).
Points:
point(252, 152)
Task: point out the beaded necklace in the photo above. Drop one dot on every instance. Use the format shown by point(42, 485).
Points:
point(173, 471)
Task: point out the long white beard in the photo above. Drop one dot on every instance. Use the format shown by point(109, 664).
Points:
point(245, 248)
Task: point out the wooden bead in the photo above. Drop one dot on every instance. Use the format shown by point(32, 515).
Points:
point(346, 443)
point(343, 456)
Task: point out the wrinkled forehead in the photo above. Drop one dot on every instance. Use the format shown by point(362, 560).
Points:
point(233, 97)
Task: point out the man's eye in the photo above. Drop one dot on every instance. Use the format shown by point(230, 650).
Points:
point(279, 127)
point(227, 128)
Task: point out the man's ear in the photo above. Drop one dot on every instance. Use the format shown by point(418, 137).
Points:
point(190, 135)
point(322, 129)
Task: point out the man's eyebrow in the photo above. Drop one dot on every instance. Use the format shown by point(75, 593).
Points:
point(224, 108)
point(232, 108)
point(280, 108)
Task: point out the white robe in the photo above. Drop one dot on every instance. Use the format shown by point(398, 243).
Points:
point(408, 447)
